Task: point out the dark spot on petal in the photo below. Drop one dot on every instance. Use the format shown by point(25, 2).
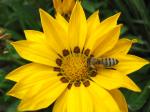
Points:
point(59, 74)
point(77, 84)
point(86, 83)
point(58, 62)
point(64, 80)
point(69, 86)
point(87, 52)
point(76, 50)
point(65, 52)
point(57, 69)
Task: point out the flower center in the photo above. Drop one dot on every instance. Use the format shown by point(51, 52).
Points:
point(75, 67)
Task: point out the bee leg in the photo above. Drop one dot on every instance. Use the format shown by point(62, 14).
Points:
point(111, 68)
point(93, 73)
point(92, 67)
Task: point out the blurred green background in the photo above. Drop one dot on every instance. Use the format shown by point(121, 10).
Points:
point(18, 15)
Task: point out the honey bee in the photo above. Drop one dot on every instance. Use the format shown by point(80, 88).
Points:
point(106, 62)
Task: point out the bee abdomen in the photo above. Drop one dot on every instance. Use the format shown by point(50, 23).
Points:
point(108, 62)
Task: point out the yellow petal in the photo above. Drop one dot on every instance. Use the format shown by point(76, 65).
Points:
point(44, 97)
point(61, 103)
point(18, 94)
point(55, 34)
point(35, 52)
point(64, 7)
point(120, 99)
point(103, 29)
point(106, 42)
point(112, 79)
point(79, 100)
point(129, 63)
point(61, 20)
point(103, 101)
point(77, 27)
point(37, 36)
point(122, 47)
point(33, 35)
point(92, 23)
point(110, 22)
point(26, 71)
point(68, 6)
point(29, 83)
point(58, 5)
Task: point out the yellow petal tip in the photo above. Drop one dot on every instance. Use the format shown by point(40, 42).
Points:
point(117, 15)
point(136, 89)
point(10, 93)
point(78, 4)
point(97, 12)
point(12, 43)
point(7, 77)
point(41, 11)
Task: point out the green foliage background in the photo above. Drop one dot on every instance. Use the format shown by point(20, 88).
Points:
point(18, 15)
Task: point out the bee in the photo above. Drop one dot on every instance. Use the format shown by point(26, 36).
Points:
point(106, 62)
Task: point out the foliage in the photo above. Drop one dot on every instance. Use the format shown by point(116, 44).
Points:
point(17, 15)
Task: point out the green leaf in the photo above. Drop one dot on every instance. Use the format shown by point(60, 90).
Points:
point(13, 107)
point(137, 100)
point(27, 16)
point(88, 5)
point(146, 108)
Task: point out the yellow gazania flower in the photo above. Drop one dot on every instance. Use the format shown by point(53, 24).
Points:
point(59, 69)
point(64, 7)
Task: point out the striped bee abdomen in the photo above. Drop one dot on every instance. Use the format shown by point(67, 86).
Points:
point(108, 62)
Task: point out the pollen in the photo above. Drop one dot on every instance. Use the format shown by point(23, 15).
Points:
point(75, 67)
